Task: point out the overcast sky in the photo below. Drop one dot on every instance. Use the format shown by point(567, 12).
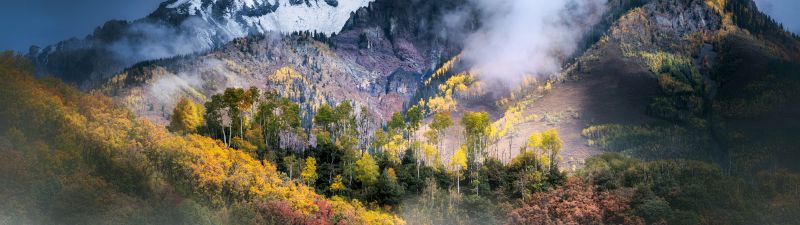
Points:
point(44, 22)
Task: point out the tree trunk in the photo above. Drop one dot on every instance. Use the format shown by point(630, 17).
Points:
point(510, 143)
point(458, 183)
point(224, 137)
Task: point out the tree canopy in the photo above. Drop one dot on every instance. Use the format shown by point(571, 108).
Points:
point(186, 117)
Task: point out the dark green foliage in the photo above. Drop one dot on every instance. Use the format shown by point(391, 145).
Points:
point(229, 106)
point(407, 173)
point(747, 16)
point(651, 141)
point(684, 192)
point(275, 115)
point(684, 92)
point(396, 123)
point(388, 191)
point(650, 207)
point(325, 116)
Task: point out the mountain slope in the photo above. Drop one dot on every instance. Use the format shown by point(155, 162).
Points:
point(80, 159)
point(615, 82)
point(181, 28)
point(377, 61)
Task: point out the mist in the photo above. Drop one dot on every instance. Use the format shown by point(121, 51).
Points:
point(146, 41)
point(528, 37)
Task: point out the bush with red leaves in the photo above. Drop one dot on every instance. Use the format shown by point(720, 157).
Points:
point(576, 202)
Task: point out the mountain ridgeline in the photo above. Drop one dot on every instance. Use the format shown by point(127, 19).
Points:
point(182, 27)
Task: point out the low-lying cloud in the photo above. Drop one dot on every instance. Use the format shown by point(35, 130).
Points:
point(528, 37)
point(146, 41)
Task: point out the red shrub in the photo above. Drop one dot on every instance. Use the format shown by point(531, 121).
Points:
point(576, 202)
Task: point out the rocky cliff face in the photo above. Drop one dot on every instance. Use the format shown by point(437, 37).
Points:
point(665, 26)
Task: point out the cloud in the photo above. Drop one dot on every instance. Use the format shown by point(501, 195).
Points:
point(519, 37)
point(166, 90)
point(146, 41)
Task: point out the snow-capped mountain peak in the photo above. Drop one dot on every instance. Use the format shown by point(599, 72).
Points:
point(246, 16)
point(181, 27)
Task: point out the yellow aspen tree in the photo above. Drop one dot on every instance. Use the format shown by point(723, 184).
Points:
point(186, 117)
point(309, 173)
point(459, 163)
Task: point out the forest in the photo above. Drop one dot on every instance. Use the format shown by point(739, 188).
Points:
point(239, 159)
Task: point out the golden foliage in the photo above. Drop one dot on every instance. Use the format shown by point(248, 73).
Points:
point(288, 81)
point(186, 117)
point(430, 152)
point(446, 67)
point(338, 184)
point(135, 156)
point(367, 170)
point(459, 159)
point(442, 104)
point(395, 147)
point(309, 173)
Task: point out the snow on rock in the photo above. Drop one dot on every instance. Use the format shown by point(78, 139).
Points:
point(319, 17)
point(240, 17)
point(184, 27)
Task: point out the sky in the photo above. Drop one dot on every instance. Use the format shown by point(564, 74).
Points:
point(786, 12)
point(45, 22)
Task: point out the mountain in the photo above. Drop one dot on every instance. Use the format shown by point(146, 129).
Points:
point(696, 71)
point(393, 55)
point(659, 112)
point(239, 18)
point(390, 55)
point(182, 28)
point(377, 60)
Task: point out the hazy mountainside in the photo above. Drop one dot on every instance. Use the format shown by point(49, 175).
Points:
point(704, 84)
point(377, 61)
point(180, 27)
point(658, 62)
point(413, 35)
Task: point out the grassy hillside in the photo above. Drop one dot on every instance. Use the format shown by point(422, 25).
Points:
point(74, 158)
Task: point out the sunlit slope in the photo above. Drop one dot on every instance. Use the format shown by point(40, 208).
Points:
point(76, 158)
